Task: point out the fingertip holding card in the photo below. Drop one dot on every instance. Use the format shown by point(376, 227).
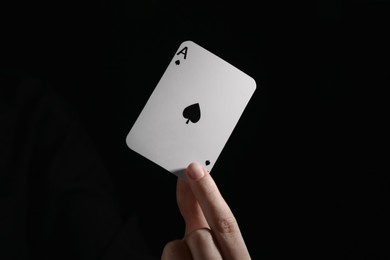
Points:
point(192, 111)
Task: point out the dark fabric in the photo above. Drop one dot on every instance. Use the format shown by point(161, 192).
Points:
point(57, 199)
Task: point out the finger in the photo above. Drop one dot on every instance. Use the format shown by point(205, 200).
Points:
point(217, 213)
point(176, 249)
point(202, 245)
point(189, 208)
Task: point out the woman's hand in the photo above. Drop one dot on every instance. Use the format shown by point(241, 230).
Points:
point(211, 230)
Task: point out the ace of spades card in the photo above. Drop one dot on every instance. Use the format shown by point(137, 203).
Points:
point(192, 111)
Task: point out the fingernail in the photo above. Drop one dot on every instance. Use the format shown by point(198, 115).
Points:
point(195, 172)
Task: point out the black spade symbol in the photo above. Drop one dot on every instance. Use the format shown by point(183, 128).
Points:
point(192, 113)
point(177, 62)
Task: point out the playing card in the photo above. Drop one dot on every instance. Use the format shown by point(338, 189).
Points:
point(192, 111)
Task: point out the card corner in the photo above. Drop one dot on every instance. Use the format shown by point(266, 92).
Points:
point(128, 139)
point(254, 83)
point(188, 41)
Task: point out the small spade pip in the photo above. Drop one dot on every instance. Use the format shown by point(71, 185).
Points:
point(192, 113)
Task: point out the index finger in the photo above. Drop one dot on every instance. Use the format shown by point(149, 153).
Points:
point(218, 214)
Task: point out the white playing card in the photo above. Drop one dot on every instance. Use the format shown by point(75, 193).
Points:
point(192, 111)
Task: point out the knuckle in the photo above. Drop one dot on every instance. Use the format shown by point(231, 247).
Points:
point(226, 225)
point(171, 246)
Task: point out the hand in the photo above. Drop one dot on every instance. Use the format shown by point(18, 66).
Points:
point(211, 230)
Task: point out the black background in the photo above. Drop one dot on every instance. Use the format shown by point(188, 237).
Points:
point(303, 170)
